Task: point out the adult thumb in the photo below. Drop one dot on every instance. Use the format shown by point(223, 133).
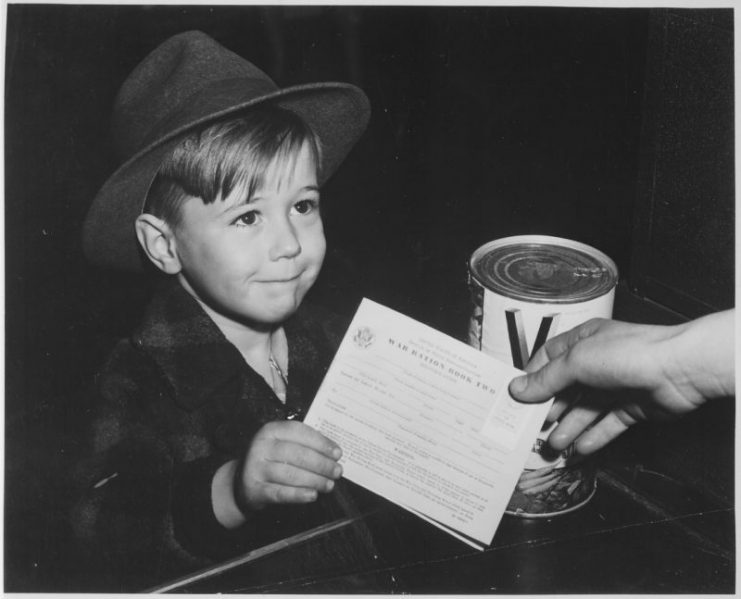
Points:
point(521, 389)
point(541, 385)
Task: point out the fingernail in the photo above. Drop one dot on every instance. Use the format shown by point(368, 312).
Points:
point(518, 384)
point(336, 453)
point(330, 485)
point(337, 471)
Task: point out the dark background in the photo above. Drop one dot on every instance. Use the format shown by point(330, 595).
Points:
point(487, 122)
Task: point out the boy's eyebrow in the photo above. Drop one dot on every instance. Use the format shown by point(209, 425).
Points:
point(245, 201)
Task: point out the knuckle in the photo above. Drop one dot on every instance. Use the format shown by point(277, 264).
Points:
point(572, 357)
point(270, 428)
point(251, 467)
point(279, 450)
point(276, 471)
point(591, 326)
point(625, 418)
point(290, 476)
point(537, 378)
point(592, 323)
point(275, 494)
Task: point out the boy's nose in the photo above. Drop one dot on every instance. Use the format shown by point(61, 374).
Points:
point(284, 242)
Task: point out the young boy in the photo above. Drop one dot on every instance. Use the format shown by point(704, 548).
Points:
point(198, 449)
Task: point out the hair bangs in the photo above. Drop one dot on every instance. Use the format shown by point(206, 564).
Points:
point(250, 167)
point(230, 155)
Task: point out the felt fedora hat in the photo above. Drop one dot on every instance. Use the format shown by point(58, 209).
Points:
point(187, 82)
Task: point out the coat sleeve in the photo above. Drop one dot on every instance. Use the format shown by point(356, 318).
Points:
point(127, 479)
point(143, 485)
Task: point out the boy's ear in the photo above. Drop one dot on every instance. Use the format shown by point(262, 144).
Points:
point(158, 242)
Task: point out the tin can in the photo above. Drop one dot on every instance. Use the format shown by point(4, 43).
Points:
point(524, 290)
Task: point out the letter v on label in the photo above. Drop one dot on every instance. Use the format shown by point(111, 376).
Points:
point(518, 340)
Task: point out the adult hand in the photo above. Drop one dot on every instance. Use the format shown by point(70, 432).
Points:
point(651, 372)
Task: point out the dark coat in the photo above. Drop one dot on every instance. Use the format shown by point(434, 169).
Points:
point(176, 401)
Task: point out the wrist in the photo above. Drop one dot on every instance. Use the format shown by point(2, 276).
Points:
point(701, 356)
point(226, 506)
point(239, 491)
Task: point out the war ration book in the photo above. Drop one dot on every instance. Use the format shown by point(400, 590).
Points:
point(426, 421)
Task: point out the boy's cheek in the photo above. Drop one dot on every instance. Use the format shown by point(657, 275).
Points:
point(321, 249)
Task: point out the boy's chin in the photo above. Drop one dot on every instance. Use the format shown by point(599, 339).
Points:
point(274, 315)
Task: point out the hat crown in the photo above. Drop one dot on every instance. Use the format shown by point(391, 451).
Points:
point(167, 78)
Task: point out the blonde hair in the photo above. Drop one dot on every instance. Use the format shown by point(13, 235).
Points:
point(214, 161)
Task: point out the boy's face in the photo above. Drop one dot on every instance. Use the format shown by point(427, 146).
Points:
point(253, 263)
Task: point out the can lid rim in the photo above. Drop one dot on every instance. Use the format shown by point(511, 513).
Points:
point(604, 286)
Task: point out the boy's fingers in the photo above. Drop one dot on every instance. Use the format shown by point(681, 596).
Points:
point(277, 493)
point(302, 434)
point(301, 457)
point(290, 476)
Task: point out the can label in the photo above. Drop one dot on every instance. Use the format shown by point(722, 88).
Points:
point(525, 290)
point(513, 330)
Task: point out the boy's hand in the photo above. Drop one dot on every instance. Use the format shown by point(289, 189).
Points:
point(287, 462)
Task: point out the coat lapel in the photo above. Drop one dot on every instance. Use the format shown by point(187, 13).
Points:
point(190, 350)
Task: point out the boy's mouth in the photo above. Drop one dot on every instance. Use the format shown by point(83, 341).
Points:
point(282, 279)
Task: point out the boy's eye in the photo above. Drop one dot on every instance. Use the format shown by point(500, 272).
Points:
point(306, 206)
point(247, 219)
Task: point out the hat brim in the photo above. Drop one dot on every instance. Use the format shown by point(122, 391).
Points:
point(337, 112)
